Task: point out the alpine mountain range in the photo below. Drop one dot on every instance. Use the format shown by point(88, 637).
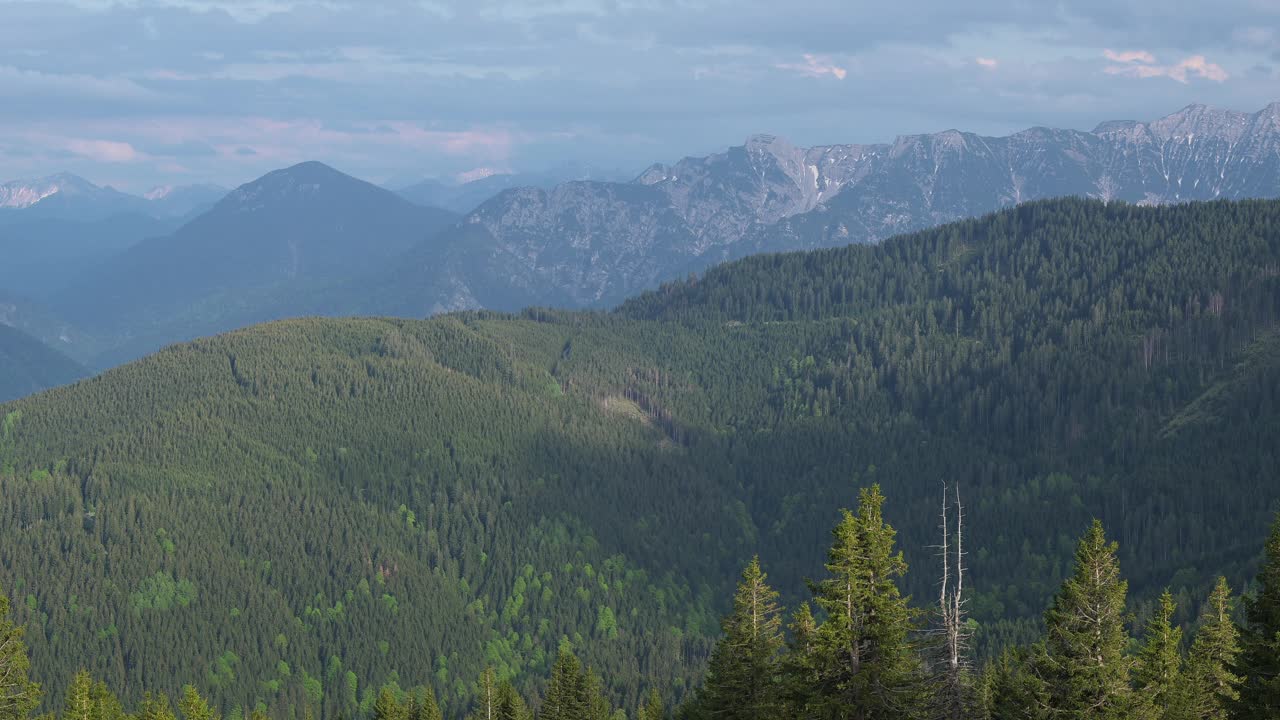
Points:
point(309, 240)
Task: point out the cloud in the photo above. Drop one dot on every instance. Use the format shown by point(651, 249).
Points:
point(1129, 56)
point(1141, 64)
point(988, 63)
point(104, 151)
point(815, 66)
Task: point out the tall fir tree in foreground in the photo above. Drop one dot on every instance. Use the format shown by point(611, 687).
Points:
point(1259, 661)
point(18, 695)
point(743, 678)
point(1084, 663)
point(865, 665)
point(1157, 673)
point(1212, 683)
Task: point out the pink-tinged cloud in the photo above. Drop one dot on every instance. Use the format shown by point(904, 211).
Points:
point(1129, 56)
point(106, 151)
point(988, 63)
point(1183, 71)
point(815, 66)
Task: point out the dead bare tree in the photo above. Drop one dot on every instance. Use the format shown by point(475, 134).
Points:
point(951, 668)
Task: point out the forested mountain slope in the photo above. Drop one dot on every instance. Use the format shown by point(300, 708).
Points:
point(28, 365)
point(302, 511)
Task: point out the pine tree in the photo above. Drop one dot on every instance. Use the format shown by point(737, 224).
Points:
point(1259, 661)
point(388, 706)
point(79, 705)
point(18, 695)
point(427, 707)
point(743, 678)
point(486, 697)
point(1085, 666)
point(155, 707)
point(799, 665)
point(1012, 690)
point(866, 665)
point(510, 705)
point(1157, 674)
point(195, 707)
point(566, 692)
point(1213, 685)
point(653, 708)
point(593, 697)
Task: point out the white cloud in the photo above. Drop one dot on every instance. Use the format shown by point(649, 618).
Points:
point(986, 62)
point(1142, 64)
point(815, 66)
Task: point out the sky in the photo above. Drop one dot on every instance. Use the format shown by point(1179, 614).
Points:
point(141, 93)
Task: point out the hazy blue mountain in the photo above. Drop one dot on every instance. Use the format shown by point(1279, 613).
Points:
point(308, 224)
point(183, 201)
point(28, 365)
point(42, 255)
point(463, 197)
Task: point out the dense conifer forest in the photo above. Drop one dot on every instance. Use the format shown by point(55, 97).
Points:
point(497, 514)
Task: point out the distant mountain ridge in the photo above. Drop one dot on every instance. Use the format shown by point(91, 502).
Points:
point(68, 196)
point(309, 240)
point(558, 245)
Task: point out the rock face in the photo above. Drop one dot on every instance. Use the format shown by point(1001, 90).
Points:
point(592, 243)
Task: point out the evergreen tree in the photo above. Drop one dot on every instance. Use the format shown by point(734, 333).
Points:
point(486, 697)
point(510, 705)
point(1085, 665)
point(18, 695)
point(799, 665)
point(866, 665)
point(1259, 661)
point(195, 707)
point(388, 706)
point(426, 706)
point(1213, 685)
point(1157, 674)
point(653, 708)
point(155, 707)
point(743, 679)
point(1012, 690)
point(79, 704)
point(566, 692)
point(593, 697)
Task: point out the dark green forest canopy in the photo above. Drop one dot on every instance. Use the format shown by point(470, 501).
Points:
point(308, 509)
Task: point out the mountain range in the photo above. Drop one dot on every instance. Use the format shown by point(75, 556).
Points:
point(309, 240)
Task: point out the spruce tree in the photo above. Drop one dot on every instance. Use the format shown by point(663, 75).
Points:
point(18, 695)
point(510, 705)
point(1157, 674)
point(155, 707)
point(194, 706)
point(388, 706)
point(865, 664)
point(1213, 685)
point(653, 708)
point(1259, 661)
point(486, 697)
point(428, 708)
point(743, 678)
point(1011, 689)
point(799, 664)
point(79, 705)
point(1085, 666)
point(566, 692)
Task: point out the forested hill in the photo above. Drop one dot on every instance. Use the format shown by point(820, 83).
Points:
point(301, 512)
point(28, 365)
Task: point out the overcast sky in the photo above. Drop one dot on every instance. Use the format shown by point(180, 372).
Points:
point(138, 93)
